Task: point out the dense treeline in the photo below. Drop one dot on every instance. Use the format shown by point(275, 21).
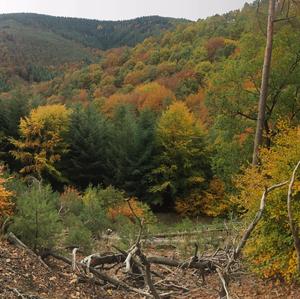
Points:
point(171, 123)
point(157, 158)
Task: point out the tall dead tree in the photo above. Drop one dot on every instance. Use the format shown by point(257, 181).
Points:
point(264, 84)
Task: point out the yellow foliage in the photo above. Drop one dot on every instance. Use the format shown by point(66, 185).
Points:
point(5, 203)
point(177, 126)
point(41, 144)
point(270, 249)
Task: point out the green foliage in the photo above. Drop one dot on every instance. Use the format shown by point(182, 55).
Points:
point(96, 202)
point(35, 73)
point(182, 163)
point(36, 220)
point(78, 234)
point(131, 149)
point(85, 162)
point(12, 110)
point(234, 92)
point(4, 85)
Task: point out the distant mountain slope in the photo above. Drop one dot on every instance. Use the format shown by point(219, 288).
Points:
point(46, 40)
point(21, 45)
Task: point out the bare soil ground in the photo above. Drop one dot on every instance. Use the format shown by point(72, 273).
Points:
point(23, 275)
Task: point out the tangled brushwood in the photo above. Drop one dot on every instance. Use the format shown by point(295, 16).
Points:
point(141, 273)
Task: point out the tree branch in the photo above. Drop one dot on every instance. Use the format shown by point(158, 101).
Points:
point(294, 227)
point(256, 219)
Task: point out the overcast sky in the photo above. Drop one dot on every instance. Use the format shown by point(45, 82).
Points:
point(122, 9)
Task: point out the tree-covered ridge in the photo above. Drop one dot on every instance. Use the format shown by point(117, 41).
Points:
point(47, 40)
point(96, 33)
point(33, 46)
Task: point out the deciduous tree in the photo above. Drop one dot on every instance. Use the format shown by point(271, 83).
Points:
point(41, 142)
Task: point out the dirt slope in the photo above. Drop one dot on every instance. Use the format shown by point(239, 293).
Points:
point(23, 275)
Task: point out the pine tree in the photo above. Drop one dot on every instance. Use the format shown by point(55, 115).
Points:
point(131, 149)
point(36, 221)
point(85, 162)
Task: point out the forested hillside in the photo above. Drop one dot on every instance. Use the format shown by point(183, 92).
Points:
point(95, 33)
point(33, 46)
point(165, 125)
point(45, 40)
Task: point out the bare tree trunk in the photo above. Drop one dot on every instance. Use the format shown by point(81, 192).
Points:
point(293, 225)
point(264, 84)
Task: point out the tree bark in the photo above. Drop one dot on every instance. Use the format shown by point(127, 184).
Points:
point(264, 84)
point(293, 225)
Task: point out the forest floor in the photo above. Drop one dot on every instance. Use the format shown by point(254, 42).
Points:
point(24, 275)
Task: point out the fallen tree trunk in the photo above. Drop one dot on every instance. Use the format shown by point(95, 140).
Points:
point(113, 281)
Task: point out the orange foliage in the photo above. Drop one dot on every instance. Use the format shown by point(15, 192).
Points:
point(70, 193)
point(136, 77)
point(166, 68)
point(151, 95)
point(123, 209)
point(97, 93)
point(213, 45)
point(241, 138)
point(114, 101)
point(196, 103)
point(249, 85)
point(113, 57)
point(81, 97)
point(210, 202)
point(173, 81)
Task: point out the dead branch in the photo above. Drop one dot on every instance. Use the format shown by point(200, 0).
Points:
point(224, 289)
point(182, 234)
point(204, 264)
point(256, 219)
point(21, 295)
point(113, 281)
point(148, 278)
point(74, 251)
point(138, 250)
point(5, 225)
point(294, 226)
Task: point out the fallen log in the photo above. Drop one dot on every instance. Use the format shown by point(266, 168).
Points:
point(113, 281)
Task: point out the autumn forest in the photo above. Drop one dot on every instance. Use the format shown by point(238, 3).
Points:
point(105, 127)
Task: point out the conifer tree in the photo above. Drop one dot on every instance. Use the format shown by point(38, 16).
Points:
point(85, 162)
point(131, 149)
point(37, 221)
